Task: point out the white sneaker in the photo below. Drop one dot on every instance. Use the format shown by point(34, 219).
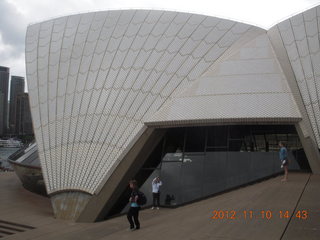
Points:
point(281, 166)
point(152, 208)
point(158, 208)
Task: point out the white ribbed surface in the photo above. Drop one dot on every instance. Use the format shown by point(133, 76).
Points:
point(94, 78)
point(247, 84)
point(300, 36)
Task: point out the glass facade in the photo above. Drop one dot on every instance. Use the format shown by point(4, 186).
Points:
point(197, 162)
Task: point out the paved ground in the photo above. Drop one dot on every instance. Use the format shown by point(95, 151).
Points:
point(194, 221)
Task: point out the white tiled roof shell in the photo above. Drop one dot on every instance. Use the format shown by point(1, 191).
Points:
point(94, 78)
point(300, 36)
point(247, 84)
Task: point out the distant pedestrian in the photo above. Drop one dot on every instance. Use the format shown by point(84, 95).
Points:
point(156, 183)
point(283, 155)
point(133, 213)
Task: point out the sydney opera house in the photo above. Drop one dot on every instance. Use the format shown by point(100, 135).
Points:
point(199, 100)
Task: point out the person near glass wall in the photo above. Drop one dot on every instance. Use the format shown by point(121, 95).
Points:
point(133, 213)
point(156, 183)
point(283, 155)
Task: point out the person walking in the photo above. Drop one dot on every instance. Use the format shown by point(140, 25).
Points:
point(283, 155)
point(156, 183)
point(133, 213)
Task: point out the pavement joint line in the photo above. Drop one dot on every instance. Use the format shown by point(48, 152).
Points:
point(16, 224)
point(11, 228)
point(6, 232)
point(295, 208)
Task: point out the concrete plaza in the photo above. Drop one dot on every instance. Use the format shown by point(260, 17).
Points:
point(251, 212)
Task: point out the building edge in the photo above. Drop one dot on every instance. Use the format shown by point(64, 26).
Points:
point(303, 127)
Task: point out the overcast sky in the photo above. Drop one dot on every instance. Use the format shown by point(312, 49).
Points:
point(15, 15)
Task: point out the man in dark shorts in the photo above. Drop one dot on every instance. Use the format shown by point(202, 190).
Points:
point(133, 213)
point(283, 155)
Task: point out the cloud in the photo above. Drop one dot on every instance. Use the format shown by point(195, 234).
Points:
point(12, 57)
point(12, 27)
point(12, 35)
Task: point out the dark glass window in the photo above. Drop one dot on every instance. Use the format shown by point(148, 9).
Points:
point(238, 131)
point(247, 144)
point(155, 157)
point(272, 142)
point(175, 140)
point(235, 145)
point(195, 139)
point(293, 142)
point(174, 145)
point(259, 142)
point(217, 138)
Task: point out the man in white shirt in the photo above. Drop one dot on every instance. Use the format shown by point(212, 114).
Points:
point(156, 183)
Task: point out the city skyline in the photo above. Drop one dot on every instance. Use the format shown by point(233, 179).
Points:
point(14, 76)
point(14, 104)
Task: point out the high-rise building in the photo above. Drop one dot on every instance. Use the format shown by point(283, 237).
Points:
point(1, 111)
point(23, 122)
point(4, 81)
point(16, 88)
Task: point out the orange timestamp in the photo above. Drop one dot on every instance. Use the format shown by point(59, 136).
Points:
point(258, 214)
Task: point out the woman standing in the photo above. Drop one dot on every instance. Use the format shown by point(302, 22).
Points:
point(133, 213)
